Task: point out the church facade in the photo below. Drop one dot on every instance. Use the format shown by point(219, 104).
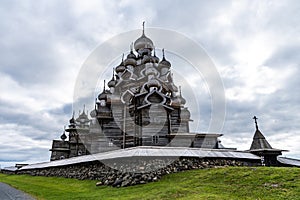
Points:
point(140, 106)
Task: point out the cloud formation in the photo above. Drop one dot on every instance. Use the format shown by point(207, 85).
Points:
point(255, 46)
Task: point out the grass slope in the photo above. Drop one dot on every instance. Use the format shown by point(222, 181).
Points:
point(217, 183)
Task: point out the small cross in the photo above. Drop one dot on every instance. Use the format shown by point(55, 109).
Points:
point(255, 120)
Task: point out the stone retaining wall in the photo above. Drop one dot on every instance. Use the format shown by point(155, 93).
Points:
point(127, 172)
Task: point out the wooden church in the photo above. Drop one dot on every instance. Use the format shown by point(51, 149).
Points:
point(141, 107)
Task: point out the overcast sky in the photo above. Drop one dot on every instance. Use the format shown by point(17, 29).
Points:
point(255, 46)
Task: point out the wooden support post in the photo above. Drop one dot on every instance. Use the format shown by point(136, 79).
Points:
point(124, 125)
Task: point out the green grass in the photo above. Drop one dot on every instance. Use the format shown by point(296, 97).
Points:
point(219, 183)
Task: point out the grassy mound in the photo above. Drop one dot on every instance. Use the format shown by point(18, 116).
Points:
point(217, 183)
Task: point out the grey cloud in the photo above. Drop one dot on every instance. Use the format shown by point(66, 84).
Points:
point(37, 127)
point(33, 31)
point(19, 155)
point(288, 54)
point(64, 110)
point(29, 54)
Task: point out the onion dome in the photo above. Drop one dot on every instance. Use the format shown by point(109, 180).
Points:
point(93, 113)
point(182, 100)
point(146, 59)
point(164, 63)
point(112, 82)
point(143, 42)
point(131, 54)
point(178, 100)
point(175, 101)
point(103, 95)
point(129, 61)
point(153, 83)
point(121, 68)
point(83, 118)
point(154, 58)
point(63, 136)
point(150, 69)
point(72, 120)
point(131, 58)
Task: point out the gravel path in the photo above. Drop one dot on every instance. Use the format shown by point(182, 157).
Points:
point(9, 193)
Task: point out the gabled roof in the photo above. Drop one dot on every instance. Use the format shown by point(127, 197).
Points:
point(148, 151)
point(259, 143)
point(289, 161)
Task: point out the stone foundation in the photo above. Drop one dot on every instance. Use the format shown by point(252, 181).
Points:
point(132, 171)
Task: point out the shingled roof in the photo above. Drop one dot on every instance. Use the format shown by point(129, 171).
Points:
point(259, 141)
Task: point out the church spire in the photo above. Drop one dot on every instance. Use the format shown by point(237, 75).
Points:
point(113, 76)
point(180, 91)
point(143, 27)
point(259, 140)
point(104, 85)
point(131, 47)
point(182, 100)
